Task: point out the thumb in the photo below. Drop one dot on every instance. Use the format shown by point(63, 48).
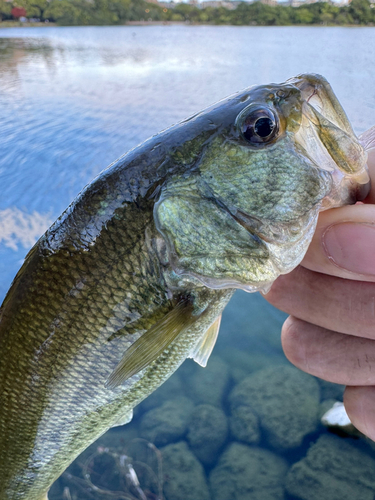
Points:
point(344, 243)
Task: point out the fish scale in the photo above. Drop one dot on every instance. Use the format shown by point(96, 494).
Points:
point(132, 278)
point(74, 360)
point(43, 311)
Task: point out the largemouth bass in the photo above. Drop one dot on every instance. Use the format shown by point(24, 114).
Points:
point(132, 278)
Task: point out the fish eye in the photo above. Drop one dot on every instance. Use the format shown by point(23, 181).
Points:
point(259, 126)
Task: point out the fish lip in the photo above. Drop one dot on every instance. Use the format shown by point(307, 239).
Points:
point(327, 138)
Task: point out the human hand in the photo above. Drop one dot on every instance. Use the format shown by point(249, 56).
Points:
point(331, 300)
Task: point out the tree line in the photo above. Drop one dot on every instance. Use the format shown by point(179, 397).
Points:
point(112, 12)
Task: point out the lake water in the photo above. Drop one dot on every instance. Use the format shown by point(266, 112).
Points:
point(74, 99)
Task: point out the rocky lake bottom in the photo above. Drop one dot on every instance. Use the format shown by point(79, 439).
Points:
point(246, 427)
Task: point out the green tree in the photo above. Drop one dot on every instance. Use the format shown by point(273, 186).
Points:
point(83, 12)
point(68, 12)
point(186, 11)
point(303, 16)
point(5, 9)
point(34, 8)
point(343, 17)
point(283, 14)
point(361, 11)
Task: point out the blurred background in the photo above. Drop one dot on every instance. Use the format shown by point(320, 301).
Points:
point(72, 100)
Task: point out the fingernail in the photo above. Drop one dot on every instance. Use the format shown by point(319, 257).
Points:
point(351, 246)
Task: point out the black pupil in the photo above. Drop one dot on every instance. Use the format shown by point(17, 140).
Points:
point(263, 127)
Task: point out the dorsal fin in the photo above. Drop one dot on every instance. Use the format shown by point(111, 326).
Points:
point(152, 343)
point(203, 350)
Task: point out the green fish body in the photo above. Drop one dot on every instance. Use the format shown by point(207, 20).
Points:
point(132, 278)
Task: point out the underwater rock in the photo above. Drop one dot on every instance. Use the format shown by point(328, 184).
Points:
point(168, 422)
point(333, 469)
point(184, 475)
point(172, 388)
point(208, 385)
point(244, 425)
point(207, 432)
point(248, 473)
point(243, 363)
point(286, 401)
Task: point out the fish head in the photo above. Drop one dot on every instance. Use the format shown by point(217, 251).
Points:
point(245, 210)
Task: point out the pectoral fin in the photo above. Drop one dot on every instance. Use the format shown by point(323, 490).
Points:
point(124, 419)
point(203, 350)
point(151, 344)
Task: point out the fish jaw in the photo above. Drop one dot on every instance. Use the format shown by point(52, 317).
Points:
point(327, 138)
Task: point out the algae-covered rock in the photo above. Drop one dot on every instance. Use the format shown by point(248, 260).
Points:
point(333, 469)
point(207, 385)
point(248, 473)
point(244, 425)
point(244, 363)
point(207, 432)
point(168, 422)
point(286, 401)
point(184, 478)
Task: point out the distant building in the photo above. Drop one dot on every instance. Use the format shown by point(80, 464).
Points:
point(298, 3)
point(166, 5)
point(217, 3)
point(294, 3)
point(269, 2)
point(233, 4)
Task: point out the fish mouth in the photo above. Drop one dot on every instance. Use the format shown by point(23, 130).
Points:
point(328, 140)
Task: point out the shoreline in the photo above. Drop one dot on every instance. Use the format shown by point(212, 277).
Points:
point(18, 24)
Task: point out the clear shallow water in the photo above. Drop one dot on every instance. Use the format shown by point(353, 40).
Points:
point(74, 99)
